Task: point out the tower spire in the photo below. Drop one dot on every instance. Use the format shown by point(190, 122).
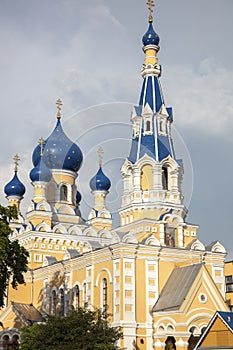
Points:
point(150, 4)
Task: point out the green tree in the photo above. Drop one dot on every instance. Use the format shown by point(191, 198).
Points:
point(13, 257)
point(80, 330)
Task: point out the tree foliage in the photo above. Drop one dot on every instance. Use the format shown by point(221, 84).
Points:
point(80, 330)
point(13, 257)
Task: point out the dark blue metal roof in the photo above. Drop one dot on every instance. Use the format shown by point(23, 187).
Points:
point(100, 182)
point(151, 93)
point(59, 152)
point(15, 187)
point(155, 146)
point(150, 37)
point(40, 172)
point(227, 317)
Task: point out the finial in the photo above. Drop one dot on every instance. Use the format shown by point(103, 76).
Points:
point(41, 143)
point(150, 4)
point(59, 104)
point(100, 152)
point(16, 159)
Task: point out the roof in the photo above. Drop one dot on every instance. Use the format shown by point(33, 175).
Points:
point(171, 297)
point(27, 313)
point(73, 253)
point(151, 93)
point(156, 144)
point(226, 317)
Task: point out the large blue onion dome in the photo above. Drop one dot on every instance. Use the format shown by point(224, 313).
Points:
point(100, 182)
point(150, 37)
point(40, 172)
point(59, 152)
point(15, 187)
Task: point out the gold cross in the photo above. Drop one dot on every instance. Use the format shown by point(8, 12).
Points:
point(150, 4)
point(16, 159)
point(59, 104)
point(41, 143)
point(100, 152)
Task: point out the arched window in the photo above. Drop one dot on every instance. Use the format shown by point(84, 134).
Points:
point(194, 337)
point(162, 126)
point(165, 178)
point(8, 343)
point(170, 343)
point(147, 125)
point(53, 303)
point(84, 293)
point(5, 342)
point(63, 193)
point(76, 297)
point(62, 303)
point(147, 177)
point(105, 295)
point(15, 342)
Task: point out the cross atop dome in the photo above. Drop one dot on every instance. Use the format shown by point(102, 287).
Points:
point(100, 153)
point(16, 160)
point(59, 104)
point(150, 4)
point(41, 143)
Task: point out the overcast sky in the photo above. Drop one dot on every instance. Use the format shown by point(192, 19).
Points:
point(89, 54)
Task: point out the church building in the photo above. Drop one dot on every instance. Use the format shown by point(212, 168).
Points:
point(153, 274)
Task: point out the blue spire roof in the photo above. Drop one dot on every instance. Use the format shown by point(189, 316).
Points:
point(151, 93)
point(150, 37)
point(100, 182)
point(156, 143)
point(59, 151)
point(40, 172)
point(155, 146)
point(15, 187)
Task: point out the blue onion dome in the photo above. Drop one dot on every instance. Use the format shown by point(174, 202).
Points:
point(100, 182)
point(40, 172)
point(78, 197)
point(15, 187)
point(150, 37)
point(59, 152)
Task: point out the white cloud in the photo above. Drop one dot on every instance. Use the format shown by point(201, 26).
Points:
point(202, 98)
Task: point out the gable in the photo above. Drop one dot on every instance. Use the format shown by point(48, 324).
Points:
point(18, 315)
point(10, 320)
point(218, 335)
point(204, 295)
point(189, 298)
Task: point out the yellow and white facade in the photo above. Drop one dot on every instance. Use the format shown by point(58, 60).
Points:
point(154, 276)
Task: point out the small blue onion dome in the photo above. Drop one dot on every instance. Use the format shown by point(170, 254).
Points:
point(40, 172)
point(150, 37)
point(100, 182)
point(15, 187)
point(59, 152)
point(78, 197)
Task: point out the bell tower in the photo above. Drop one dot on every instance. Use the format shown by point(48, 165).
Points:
point(152, 175)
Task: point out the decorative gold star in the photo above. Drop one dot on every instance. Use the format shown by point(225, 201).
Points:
point(16, 159)
point(100, 152)
point(41, 143)
point(59, 104)
point(150, 4)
